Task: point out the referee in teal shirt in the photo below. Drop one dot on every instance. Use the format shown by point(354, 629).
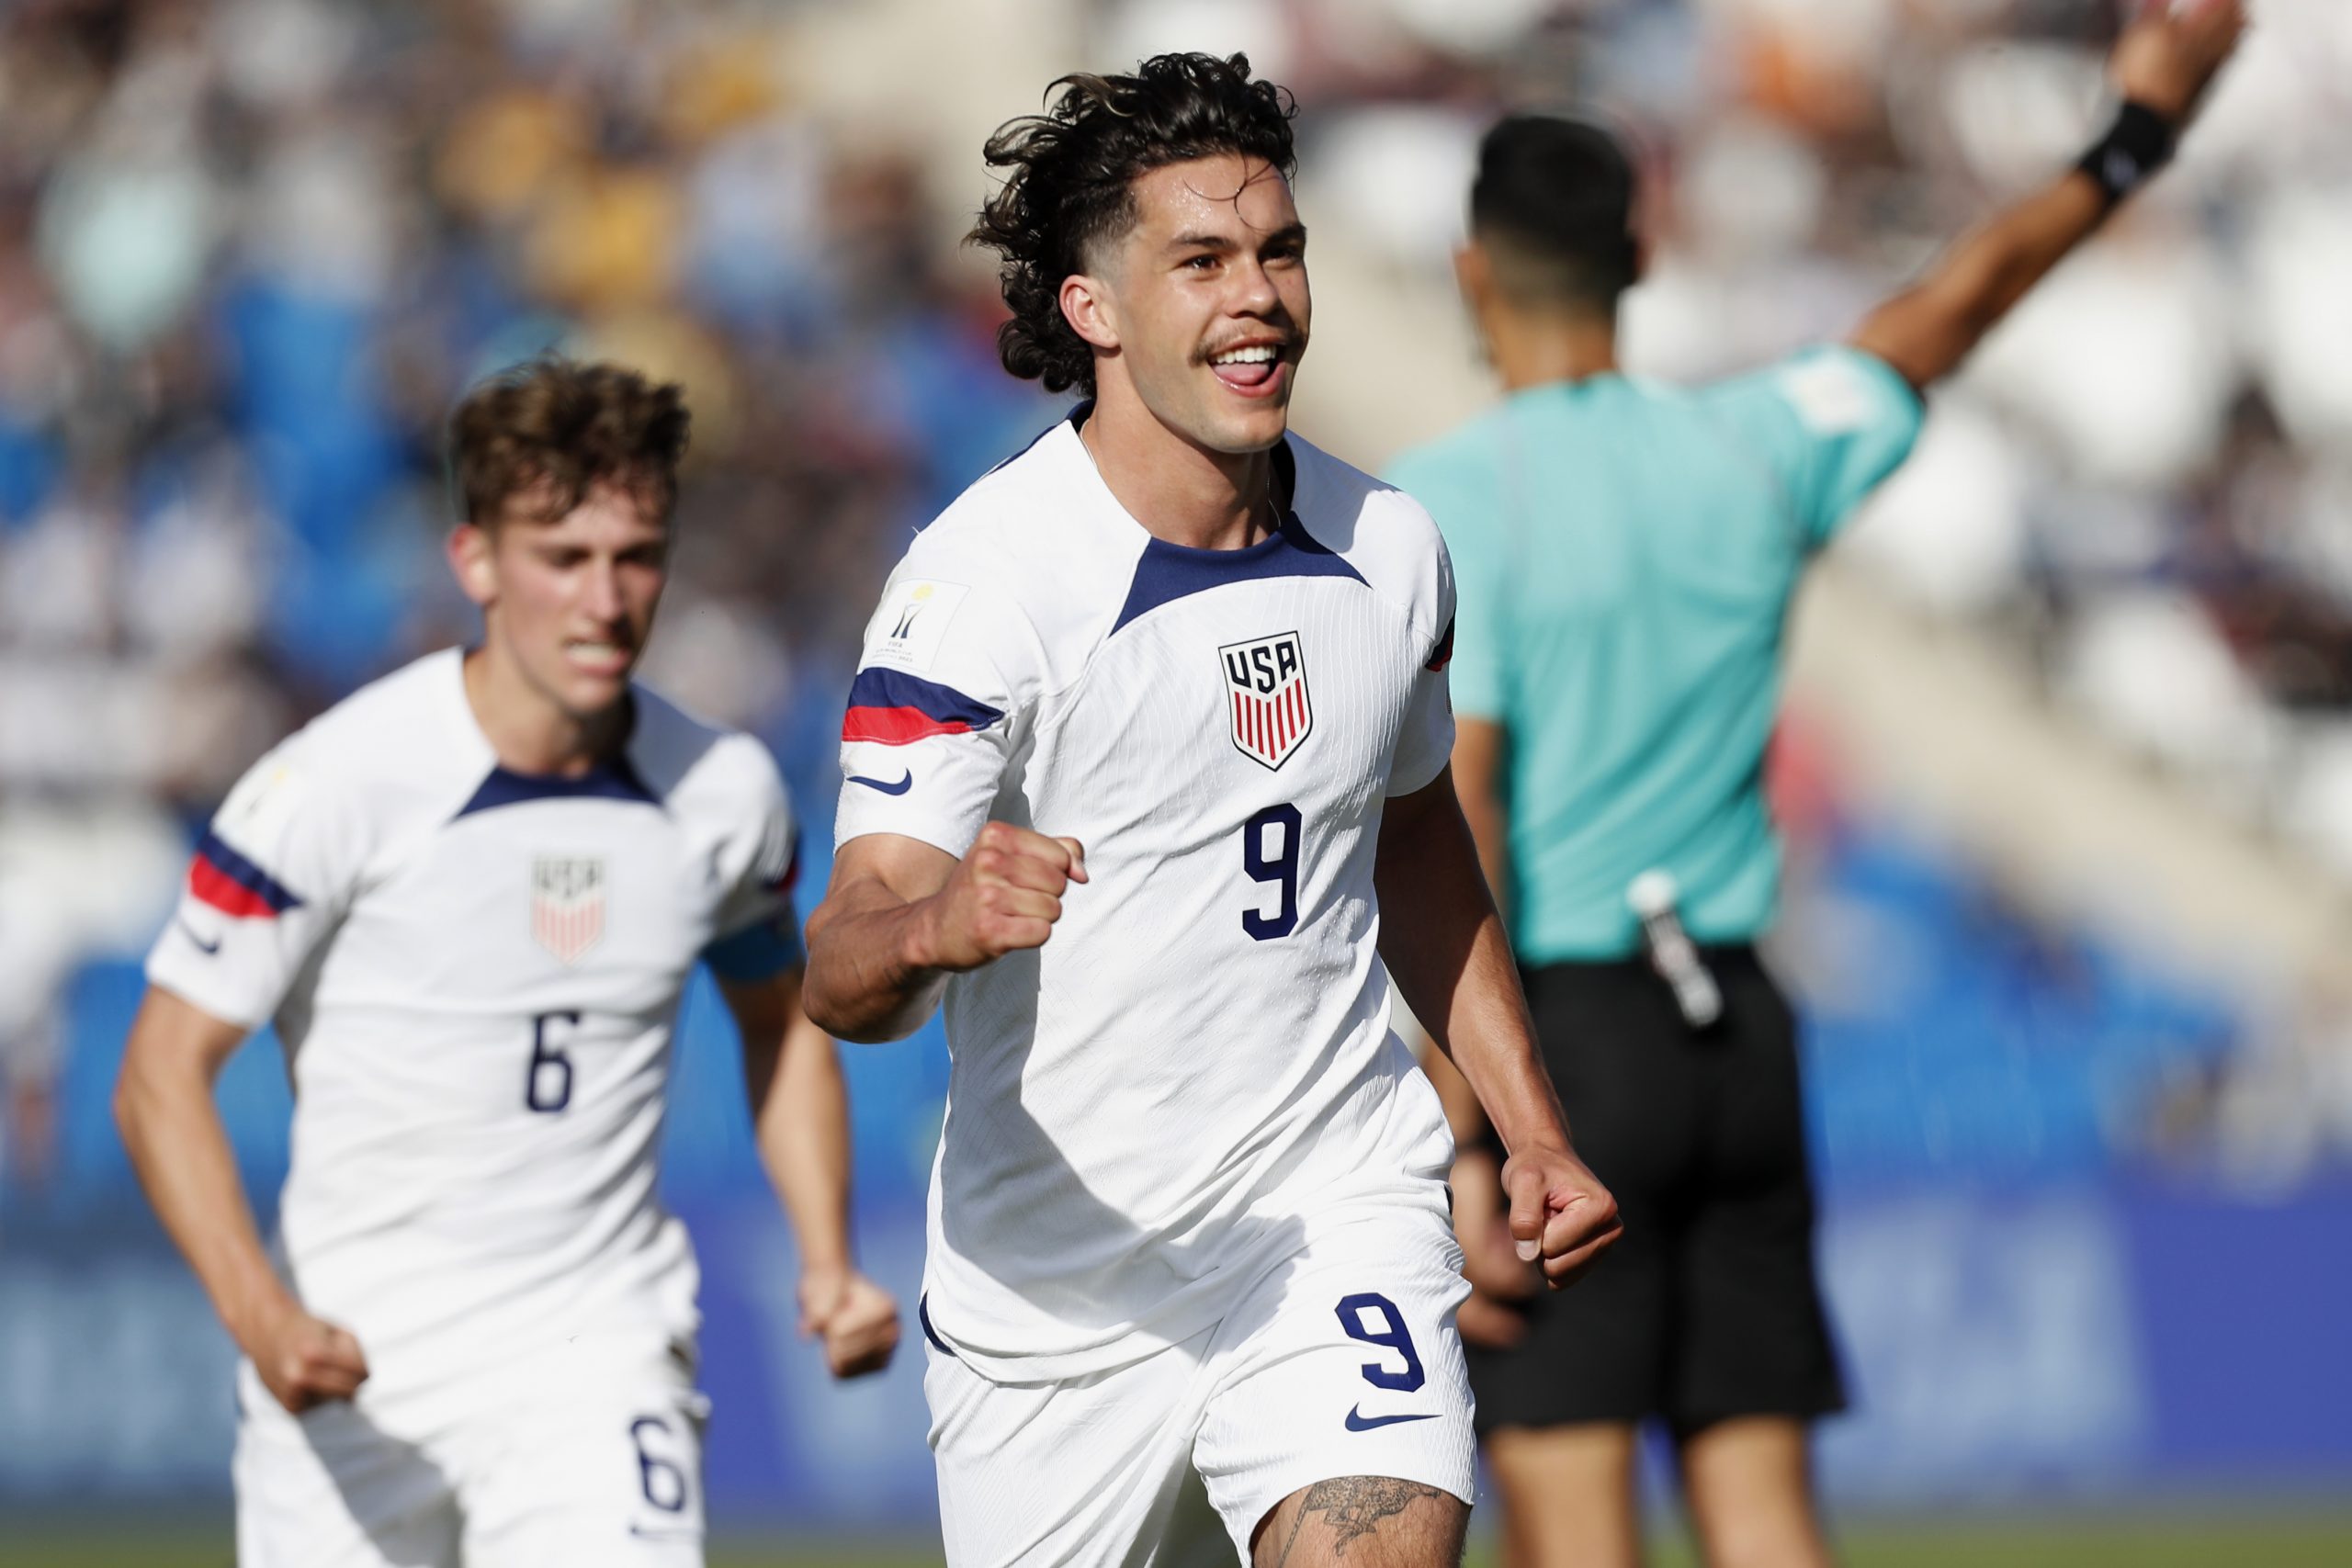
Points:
point(1624, 554)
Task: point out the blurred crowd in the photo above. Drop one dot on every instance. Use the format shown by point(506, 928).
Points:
point(251, 251)
point(249, 255)
point(2148, 471)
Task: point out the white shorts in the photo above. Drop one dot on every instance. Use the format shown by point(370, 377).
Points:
point(583, 1458)
point(1340, 1361)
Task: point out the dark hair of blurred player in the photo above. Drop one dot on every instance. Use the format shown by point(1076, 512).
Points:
point(1709, 1318)
point(1552, 213)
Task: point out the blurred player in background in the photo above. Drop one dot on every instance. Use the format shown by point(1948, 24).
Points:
point(471, 895)
point(1627, 553)
point(1146, 771)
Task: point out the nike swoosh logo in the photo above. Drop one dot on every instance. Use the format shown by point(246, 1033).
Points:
point(1359, 1422)
point(901, 787)
point(201, 945)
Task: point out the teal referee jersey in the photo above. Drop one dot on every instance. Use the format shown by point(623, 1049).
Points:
point(1624, 553)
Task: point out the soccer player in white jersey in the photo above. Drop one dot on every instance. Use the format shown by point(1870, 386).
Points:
point(470, 896)
point(1146, 774)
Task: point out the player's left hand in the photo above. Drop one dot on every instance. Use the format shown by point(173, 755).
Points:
point(1559, 1212)
point(2168, 57)
point(857, 1319)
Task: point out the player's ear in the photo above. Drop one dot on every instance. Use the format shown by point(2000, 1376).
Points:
point(1087, 307)
point(1473, 273)
point(473, 556)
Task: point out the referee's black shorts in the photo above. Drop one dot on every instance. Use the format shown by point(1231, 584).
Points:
point(1707, 1307)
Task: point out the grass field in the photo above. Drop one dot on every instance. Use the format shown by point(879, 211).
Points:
point(2155, 1541)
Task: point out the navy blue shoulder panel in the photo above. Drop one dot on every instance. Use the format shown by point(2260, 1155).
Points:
point(616, 779)
point(1169, 572)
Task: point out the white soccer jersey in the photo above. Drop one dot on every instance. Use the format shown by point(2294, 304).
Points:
point(1195, 1073)
point(475, 974)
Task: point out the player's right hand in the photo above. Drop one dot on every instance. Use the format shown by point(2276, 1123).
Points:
point(305, 1361)
point(1003, 896)
point(2167, 58)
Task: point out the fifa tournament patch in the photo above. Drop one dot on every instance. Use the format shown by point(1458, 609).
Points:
point(1266, 696)
point(913, 623)
point(567, 904)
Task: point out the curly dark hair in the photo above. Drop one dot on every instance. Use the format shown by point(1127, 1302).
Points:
point(556, 424)
point(1071, 185)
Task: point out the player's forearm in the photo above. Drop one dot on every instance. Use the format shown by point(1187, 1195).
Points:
point(181, 1152)
point(802, 1126)
point(1477, 780)
point(1445, 947)
point(1925, 331)
point(868, 977)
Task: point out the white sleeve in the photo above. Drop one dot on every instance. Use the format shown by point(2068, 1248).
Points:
point(271, 876)
point(943, 689)
point(1425, 740)
point(756, 933)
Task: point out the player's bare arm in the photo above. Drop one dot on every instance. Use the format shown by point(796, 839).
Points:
point(1481, 1223)
point(1444, 941)
point(2162, 64)
point(800, 1119)
point(163, 1104)
point(900, 916)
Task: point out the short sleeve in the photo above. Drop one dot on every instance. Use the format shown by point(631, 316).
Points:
point(270, 878)
point(1463, 497)
point(946, 670)
point(1425, 740)
point(1833, 422)
point(756, 932)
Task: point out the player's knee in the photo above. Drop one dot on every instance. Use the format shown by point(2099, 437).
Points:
point(1767, 1533)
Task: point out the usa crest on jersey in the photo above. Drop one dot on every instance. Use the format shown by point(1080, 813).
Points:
point(1266, 693)
point(567, 904)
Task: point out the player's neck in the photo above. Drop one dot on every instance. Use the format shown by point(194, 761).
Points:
point(1532, 348)
point(1179, 491)
point(527, 730)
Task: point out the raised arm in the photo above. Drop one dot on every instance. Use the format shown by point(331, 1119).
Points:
point(800, 1119)
point(900, 916)
point(163, 1102)
point(2161, 67)
point(1443, 944)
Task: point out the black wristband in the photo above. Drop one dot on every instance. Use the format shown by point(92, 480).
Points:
point(2138, 144)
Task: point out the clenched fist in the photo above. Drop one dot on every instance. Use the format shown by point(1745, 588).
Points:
point(858, 1319)
point(1560, 1213)
point(304, 1361)
point(1003, 896)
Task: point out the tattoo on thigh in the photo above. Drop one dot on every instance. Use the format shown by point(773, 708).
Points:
point(1354, 1505)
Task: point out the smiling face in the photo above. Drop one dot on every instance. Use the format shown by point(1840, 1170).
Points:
point(568, 602)
point(1202, 307)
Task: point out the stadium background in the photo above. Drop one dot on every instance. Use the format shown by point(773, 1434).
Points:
point(2068, 769)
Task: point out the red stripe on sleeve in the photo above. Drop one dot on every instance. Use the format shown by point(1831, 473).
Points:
point(897, 726)
point(217, 887)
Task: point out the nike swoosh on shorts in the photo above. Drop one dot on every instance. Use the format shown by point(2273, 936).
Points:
point(201, 945)
point(1359, 1422)
point(901, 787)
